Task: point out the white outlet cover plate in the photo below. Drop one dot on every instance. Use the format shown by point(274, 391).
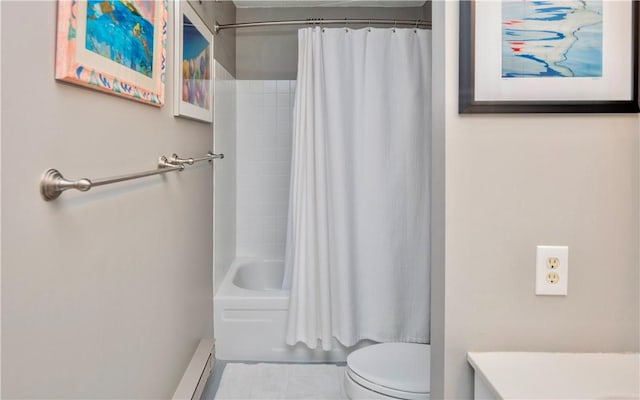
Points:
point(543, 287)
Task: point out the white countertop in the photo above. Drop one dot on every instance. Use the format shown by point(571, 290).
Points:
point(513, 375)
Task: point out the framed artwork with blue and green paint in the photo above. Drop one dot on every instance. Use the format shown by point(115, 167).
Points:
point(193, 60)
point(556, 56)
point(115, 46)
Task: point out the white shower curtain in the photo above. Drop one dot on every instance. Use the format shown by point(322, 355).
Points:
point(357, 258)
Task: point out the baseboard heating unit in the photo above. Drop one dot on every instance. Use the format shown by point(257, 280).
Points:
point(195, 376)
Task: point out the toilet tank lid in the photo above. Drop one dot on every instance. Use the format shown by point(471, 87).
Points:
point(399, 366)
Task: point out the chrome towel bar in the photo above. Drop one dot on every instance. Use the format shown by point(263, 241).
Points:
point(53, 183)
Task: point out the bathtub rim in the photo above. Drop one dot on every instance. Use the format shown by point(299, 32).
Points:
point(228, 289)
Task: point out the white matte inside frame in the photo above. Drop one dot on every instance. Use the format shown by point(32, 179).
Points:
point(183, 108)
point(617, 52)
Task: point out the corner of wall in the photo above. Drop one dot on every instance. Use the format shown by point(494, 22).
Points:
point(427, 10)
point(223, 12)
point(0, 193)
point(437, 15)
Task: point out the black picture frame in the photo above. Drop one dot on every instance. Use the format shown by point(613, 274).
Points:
point(467, 103)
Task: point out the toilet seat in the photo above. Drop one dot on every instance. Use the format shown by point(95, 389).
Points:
point(398, 370)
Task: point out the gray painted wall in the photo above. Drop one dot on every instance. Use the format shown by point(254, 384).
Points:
point(513, 182)
point(105, 294)
point(272, 52)
point(224, 12)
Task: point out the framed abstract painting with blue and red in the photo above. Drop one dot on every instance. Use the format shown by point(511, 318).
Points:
point(548, 56)
point(115, 46)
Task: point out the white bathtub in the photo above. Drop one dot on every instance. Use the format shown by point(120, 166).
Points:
point(250, 316)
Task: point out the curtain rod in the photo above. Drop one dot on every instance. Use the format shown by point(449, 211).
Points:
point(319, 21)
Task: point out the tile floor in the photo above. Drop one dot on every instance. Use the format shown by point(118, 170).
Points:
point(281, 381)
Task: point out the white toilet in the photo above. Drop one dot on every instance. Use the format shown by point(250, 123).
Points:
point(389, 371)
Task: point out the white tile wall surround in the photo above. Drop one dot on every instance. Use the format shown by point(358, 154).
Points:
point(265, 112)
point(225, 172)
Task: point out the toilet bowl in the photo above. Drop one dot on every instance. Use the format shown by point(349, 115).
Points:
point(389, 371)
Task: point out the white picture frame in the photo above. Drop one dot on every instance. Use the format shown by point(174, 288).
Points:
point(193, 65)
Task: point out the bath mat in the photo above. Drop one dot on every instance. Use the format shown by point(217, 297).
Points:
point(281, 381)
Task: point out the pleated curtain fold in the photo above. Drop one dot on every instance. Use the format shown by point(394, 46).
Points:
point(358, 245)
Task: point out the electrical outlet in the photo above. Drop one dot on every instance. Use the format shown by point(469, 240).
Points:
point(552, 270)
point(553, 278)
